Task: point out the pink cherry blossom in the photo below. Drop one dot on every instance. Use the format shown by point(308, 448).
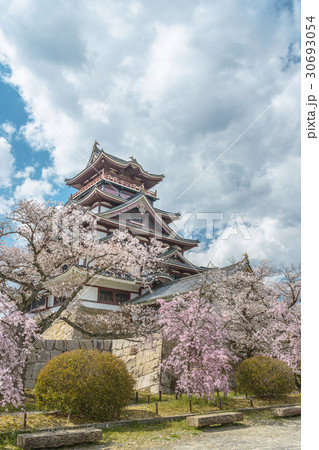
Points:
point(18, 332)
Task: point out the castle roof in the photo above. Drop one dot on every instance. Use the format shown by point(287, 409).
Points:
point(189, 283)
point(100, 160)
point(112, 217)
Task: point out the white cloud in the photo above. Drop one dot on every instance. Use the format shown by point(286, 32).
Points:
point(269, 240)
point(174, 84)
point(8, 129)
point(6, 163)
point(5, 205)
point(25, 173)
point(34, 189)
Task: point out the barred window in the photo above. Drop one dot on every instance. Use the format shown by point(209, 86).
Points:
point(59, 301)
point(106, 296)
point(121, 297)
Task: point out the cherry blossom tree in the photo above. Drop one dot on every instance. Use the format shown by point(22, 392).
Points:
point(18, 332)
point(200, 357)
point(236, 314)
point(244, 296)
point(284, 327)
point(264, 316)
point(50, 249)
point(133, 323)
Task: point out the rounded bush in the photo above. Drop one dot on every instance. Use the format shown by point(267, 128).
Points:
point(86, 383)
point(264, 377)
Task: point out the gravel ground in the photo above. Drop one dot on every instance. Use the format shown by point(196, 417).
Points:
point(279, 434)
point(254, 434)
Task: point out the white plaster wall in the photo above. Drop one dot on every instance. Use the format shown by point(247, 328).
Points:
point(50, 300)
point(89, 293)
point(102, 306)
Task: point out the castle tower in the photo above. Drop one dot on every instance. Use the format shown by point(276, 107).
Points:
point(120, 194)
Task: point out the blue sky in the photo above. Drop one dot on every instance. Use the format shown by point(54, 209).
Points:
point(174, 84)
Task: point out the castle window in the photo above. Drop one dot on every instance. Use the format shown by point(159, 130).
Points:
point(40, 303)
point(121, 297)
point(105, 296)
point(58, 301)
point(112, 296)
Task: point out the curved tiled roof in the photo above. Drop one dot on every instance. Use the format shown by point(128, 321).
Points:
point(187, 284)
point(118, 161)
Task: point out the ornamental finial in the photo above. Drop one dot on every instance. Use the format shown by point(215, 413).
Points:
point(245, 255)
point(133, 159)
point(95, 145)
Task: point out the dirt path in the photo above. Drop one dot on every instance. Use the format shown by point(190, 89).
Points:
point(279, 435)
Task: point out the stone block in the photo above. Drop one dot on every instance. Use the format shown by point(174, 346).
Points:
point(60, 345)
point(72, 345)
point(125, 344)
point(125, 352)
point(28, 371)
point(55, 353)
point(38, 344)
point(59, 438)
point(32, 356)
point(133, 350)
point(145, 381)
point(165, 379)
point(86, 344)
point(287, 411)
point(154, 388)
point(213, 419)
point(130, 363)
point(117, 344)
point(107, 345)
point(37, 367)
point(29, 383)
point(43, 355)
point(98, 344)
point(149, 367)
point(49, 344)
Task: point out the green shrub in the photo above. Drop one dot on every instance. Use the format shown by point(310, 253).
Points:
point(86, 383)
point(264, 377)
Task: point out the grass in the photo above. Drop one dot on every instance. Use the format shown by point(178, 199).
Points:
point(169, 406)
point(151, 435)
point(28, 406)
point(132, 436)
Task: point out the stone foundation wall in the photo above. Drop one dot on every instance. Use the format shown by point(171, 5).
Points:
point(142, 360)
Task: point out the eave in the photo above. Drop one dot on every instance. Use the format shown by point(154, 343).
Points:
point(135, 230)
point(104, 160)
point(96, 195)
point(137, 201)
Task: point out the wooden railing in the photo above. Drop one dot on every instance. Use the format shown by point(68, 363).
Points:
point(113, 179)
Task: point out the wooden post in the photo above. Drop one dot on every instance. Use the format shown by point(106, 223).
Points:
point(251, 402)
point(220, 403)
point(246, 395)
point(190, 406)
point(156, 408)
point(235, 391)
point(136, 397)
point(148, 399)
point(176, 396)
point(24, 420)
point(217, 392)
point(160, 396)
